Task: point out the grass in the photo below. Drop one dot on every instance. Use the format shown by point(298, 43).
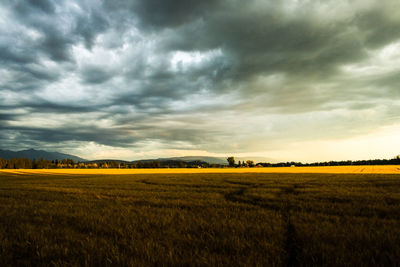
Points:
point(229, 219)
point(381, 169)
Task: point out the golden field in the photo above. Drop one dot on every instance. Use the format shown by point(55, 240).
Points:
point(368, 169)
point(318, 216)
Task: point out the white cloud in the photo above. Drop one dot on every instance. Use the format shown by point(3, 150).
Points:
point(182, 60)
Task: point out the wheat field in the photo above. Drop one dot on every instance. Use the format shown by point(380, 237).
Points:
point(368, 169)
point(67, 217)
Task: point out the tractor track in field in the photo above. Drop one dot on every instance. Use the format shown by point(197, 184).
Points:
point(291, 243)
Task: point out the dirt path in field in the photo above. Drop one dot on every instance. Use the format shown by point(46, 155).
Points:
point(292, 244)
point(280, 203)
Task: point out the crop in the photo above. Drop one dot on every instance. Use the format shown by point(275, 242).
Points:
point(230, 219)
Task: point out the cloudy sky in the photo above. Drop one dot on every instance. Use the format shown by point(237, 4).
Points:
point(305, 80)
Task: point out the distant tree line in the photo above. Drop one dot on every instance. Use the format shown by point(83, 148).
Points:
point(249, 163)
point(394, 161)
point(24, 163)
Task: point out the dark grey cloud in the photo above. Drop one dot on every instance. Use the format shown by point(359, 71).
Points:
point(6, 117)
point(29, 77)
point(52, 41)
point(91, 23)
point(95, 75)
point(56, 45)
point(178, 73)
point(57, 25)
point(26, 7)
point(129, 137)
point(48, 107)
point(379, 25)
point(9, 52)
point(24, 135)
point(171, 13)
point(264, 41)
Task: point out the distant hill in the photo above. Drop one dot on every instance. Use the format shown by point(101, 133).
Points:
point(107, 160)
point(209, 160)
point(37, 154)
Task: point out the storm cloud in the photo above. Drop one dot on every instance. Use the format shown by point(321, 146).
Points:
point(218, 76)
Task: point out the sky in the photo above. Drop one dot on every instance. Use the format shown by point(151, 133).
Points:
point(302, 80)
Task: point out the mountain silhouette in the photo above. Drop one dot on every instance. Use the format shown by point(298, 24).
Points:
point(37, 154)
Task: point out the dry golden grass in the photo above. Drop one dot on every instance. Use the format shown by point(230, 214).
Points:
point(199, 219)
point(369, 169)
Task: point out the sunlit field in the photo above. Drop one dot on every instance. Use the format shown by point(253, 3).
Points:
point(383, 169)
point(334, 216)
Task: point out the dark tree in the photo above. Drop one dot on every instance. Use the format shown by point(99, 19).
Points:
point(231, 161)
point(250, 163)
point(34, 164)
point(12, 163)
point(3, 163)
